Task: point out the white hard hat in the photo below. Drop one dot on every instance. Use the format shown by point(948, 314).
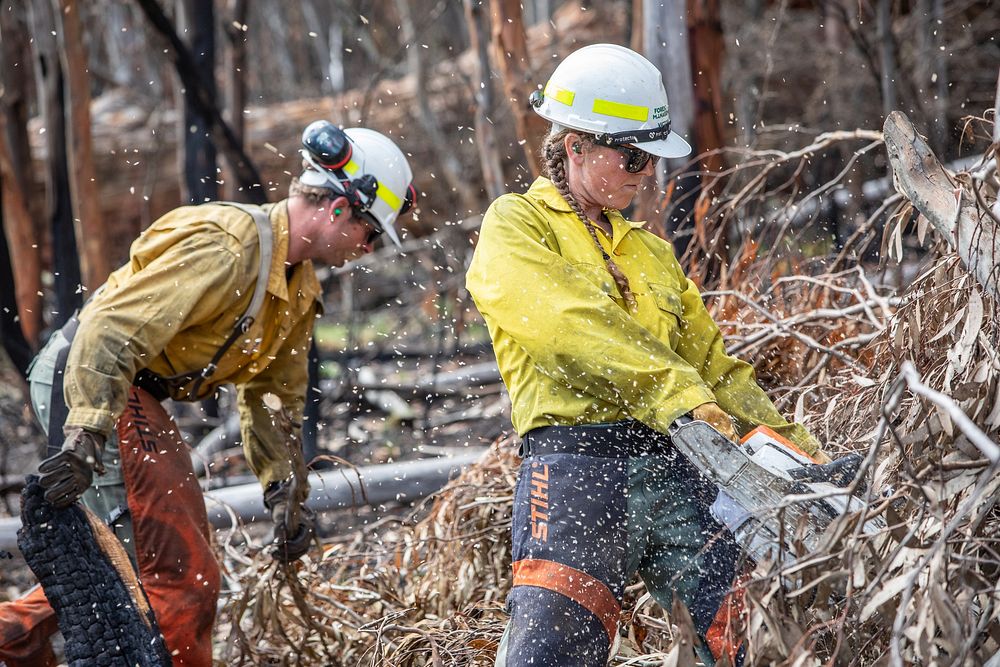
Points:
point(363, 165)
point(615, 94)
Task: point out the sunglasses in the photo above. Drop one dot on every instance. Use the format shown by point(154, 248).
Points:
point(636, 159)
point(374, 229)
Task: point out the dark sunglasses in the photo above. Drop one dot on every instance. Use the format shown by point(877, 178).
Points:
point(636, 159)
point(374, 229)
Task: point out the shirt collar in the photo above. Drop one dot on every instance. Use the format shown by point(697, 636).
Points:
point(278, 280)
point(277, 283)
point(544, 191)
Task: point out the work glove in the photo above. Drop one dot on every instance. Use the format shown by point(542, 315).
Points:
point(66, 475)
point(294, 523)
point(821, 457)
point(713, 415)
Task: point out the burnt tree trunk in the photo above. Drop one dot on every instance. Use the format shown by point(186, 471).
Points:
point(235, 82)
point(887, 56)
point(447, 157)
point(11, 335)
point(665, 39)
point(19, 239)
point(707, 49)
point(200, 182)
point(91, 232)
point(930, 69)
point(20, 228)
point(200, 173)
point(510, 51)
point(59, 200)
point(647, 205)
point(486, 141)
point(245, 172)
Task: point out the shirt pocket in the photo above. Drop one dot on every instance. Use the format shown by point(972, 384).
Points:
point(602, 279)
point(668, 300)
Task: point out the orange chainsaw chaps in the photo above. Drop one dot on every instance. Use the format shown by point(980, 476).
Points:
point(177, 567)
point(25, 627)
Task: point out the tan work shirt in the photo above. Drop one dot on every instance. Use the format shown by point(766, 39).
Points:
point(189, 279)
point(568, 349)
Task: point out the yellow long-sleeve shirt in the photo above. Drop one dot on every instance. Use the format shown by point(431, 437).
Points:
point(190, 277)
point(569, 351)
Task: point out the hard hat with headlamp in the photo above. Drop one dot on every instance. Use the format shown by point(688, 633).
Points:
point(364, 166)
point(615, 94)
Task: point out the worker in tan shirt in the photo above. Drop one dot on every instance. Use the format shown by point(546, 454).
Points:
point(211, 295)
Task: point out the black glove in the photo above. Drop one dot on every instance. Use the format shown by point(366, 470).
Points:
point(66, 475)
point(294, 523)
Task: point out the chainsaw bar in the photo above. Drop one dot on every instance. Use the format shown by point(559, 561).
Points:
point(754, 484)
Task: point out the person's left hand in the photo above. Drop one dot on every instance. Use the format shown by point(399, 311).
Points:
point(67, 474)
point(713, 415)
point(294, 523)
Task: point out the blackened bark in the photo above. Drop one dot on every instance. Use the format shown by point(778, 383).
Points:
point(243, 168)
point(200, 174)
point(59, 201)
point(11, 337)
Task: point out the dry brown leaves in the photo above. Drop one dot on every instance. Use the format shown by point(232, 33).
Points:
point(910, 379)
point(396, 593)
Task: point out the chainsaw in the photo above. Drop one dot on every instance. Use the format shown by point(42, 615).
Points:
point(756, 478)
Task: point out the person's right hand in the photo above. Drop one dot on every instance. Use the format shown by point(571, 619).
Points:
point(66, 475)
point(713, 415)
point(294, 523)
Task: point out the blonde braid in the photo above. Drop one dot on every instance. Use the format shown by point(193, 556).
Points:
point(554, 152)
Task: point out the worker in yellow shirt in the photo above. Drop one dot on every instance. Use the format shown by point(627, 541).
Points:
point(213, 294)
point(602, 343)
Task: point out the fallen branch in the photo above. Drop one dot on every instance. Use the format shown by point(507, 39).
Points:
point(967, 228)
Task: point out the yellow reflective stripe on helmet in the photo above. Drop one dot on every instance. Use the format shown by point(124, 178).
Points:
point(383, 193)
point(559, 94)
point(389, 197)
point(620, 110)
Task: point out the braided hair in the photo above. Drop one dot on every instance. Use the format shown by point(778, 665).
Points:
point(554, 156)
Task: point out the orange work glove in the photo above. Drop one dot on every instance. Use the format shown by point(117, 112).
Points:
point(821, 457)
point(713, 415)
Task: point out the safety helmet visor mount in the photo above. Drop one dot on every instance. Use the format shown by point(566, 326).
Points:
point(360, 192)
point(364, 166)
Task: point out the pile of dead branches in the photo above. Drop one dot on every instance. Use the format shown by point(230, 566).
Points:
point(908, 376)
point(922, 400)
point(413, 592)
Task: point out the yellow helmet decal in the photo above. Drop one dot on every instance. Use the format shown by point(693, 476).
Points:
point(559, 94)
point(621, 110)
point(383, 193)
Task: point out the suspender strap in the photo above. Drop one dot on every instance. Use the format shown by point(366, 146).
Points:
point(58, 410)
point(265, 236)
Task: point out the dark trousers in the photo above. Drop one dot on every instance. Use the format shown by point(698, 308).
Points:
point(583, 525)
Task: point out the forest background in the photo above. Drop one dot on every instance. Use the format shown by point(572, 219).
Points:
point(113, 112)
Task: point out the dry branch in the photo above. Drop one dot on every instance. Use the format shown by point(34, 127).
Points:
point(946, 202)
